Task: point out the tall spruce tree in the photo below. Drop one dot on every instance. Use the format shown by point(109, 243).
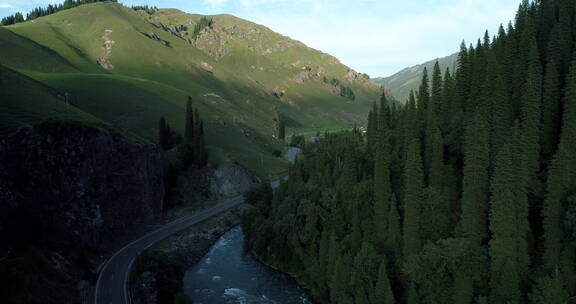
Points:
point(383, 291)
point(189, 131)
point(501, 114)
point(200, 146)
point(394, 232)
point(413, 196)
point(447, 101)
point(372, 128)
point(382, 187)
point(551, 116)
point(476, 178)
point(436, 96)
point(561, 180)
point(163, 134)
point(424, 95)
point(509, 255)
point(531, 115)
point(462, 79)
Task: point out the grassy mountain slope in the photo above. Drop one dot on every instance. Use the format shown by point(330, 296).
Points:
point(24, 100)
point(401, 83)
point(129, 68)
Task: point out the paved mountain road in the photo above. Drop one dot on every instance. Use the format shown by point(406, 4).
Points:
point(112, 284)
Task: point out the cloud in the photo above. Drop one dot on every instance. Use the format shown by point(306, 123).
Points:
point(6, 5)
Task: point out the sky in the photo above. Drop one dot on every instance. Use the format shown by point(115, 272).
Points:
point(377, 37)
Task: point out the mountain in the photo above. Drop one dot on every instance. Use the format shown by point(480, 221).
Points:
point(401, 83)
point(128, 67)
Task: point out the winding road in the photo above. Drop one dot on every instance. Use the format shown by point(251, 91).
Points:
point(112, 284)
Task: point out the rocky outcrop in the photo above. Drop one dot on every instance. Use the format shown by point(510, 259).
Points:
point(232, 179)
point(196, 186)
point(83, 181)
point(104, 60)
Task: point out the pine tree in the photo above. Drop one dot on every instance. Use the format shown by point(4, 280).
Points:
point(477, 77)
point(531, 115)
point(476, 179)
point(462, 79)
point(365, 272)
point(341, 281)
point(500, 116)
point(372, 128)
point(413, 196)
point(436, 171)
point(189, 132)
point(197, 139)
point(411, 123)
point(436, 98)
point(355, 237)
point(549, 290)
point(394, 236)
point(551, 119)
point(384, 114)
point(382, 187)
point(189, 146)
point(163, 135)
point(509, 223)
point(561, 180)
point(323, 262)
point(424, 94)
point(333, 254)
point(200, 147)
point(447, 101)
point(383, 293)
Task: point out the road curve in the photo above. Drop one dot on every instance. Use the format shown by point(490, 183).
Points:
point(112, 284)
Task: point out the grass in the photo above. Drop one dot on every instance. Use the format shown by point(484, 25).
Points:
point(151, 79)
point(25, 101)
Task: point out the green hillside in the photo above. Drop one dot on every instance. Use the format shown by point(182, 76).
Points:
point(25, 101)
point(401, 83)
point(129, 67)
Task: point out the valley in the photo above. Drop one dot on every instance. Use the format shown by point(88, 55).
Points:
point(159, 156)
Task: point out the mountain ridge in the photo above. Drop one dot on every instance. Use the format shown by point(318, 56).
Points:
point(402, 82)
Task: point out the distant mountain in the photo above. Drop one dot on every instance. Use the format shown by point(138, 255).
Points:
point(129, 67)
point(401, 83)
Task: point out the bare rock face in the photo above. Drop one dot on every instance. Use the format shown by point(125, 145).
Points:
point(232, 179)
point(84, 181)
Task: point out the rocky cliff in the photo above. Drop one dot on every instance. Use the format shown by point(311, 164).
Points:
point(83, 181)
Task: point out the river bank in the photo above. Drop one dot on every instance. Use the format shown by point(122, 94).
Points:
point(292, 276)
point(183, 249)
point(231, 274)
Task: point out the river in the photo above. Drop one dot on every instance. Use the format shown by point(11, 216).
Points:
point(230, 274)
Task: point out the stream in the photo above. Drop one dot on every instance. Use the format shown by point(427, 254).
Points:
point(230, 274)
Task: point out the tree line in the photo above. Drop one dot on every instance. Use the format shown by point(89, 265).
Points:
point(465, 194)
point(45, 11)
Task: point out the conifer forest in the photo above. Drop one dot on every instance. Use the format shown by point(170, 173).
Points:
point(464, 194)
